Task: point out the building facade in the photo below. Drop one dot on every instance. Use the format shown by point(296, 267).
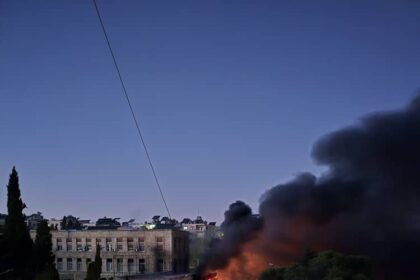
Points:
point(123, 252)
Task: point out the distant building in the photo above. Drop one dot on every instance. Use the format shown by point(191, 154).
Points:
point(162, 223)
point(54, 224)
point(33, 220)
point(124, 253)
point(199, 228)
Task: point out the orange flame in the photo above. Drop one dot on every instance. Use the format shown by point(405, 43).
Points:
point(248, 265)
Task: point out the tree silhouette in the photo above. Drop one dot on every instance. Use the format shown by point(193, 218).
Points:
point(17, 244)
point(95, 267)
point(43, 256)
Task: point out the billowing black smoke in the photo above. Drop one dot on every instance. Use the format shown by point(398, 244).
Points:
point(239, 226)
point(368, 202)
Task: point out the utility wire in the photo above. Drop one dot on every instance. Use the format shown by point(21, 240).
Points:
point(131, 108)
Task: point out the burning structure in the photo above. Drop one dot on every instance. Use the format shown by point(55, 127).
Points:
point(367, 202)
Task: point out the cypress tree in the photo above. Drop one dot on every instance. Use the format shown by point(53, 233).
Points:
point(43, 256)
point(18, 243)
point(95, 268)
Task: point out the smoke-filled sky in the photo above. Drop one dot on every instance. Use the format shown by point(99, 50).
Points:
point(366, 202)
point(231, 96)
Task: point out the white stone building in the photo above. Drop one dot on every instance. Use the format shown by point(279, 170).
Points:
point(124, 253)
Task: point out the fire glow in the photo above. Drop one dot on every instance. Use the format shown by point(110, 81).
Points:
point(248, 265)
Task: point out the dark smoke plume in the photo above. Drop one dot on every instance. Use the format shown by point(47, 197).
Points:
point(367, 202)
point(239, 227)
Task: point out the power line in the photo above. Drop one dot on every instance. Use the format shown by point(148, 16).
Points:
point(131, 108)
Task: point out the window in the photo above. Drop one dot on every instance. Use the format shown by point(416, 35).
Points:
point(88, 244)
point(79, 265)
point(59, 244)
point(109, 265)
point(60, 264)
point(130, 265)
point(119, 244)
point(130, 244)
point(79, 244)
point(88, 261)
point(69, 244)
point(159, 265)
point(109, 244)
point(141, 244)
point(119, 265)
point(69, 264)
point(159, 245)
point(142, 266)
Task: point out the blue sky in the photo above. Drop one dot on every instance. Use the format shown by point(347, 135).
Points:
point(230, 95)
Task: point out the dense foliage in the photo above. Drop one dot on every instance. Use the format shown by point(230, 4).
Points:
point(323, 266)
